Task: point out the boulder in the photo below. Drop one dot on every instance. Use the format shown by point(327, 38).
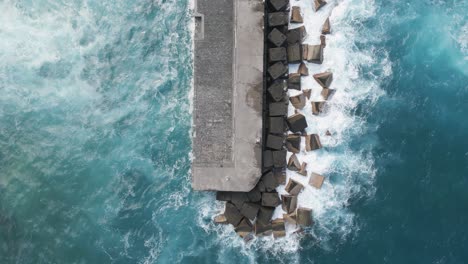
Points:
point(278, 109)
point(264, 215)
point(270, 199)
point(294, 81)
point(316, 180)
point(312, 53)
point(293, 143)
point(294, 53)
point(277, 90)
point(263, 229)
point(279, 4)
point(278, 228)
point(232, 214)
point(324, 79)
point(290, 218)
point(323, 41)
point(297, 35)
point(307, 93)
point(270, 182)
point(293, 163)
point(317, 107)
point(298, 101)
point(220, 219)
point(223, 196)
point(244, 228)
point(277, 37)
point(328, 133)
point(327, 94)
point(254, 195)
point(250, 210)
point(326, 27)
point(267, 159)
point(261, 187)
point(280, 176)
point(274, 142)
point(303, 70)
point(277, 54)
point(297, 123)
point(319, 4)
point(293, 187)
point(313, 142)
point(279, 158)
point(303, 171)
point(304, 216)
point(277, 70)
point(239, 198)
point(278, 19)
point(296, 16)
point(276, 125)
point(289, 203)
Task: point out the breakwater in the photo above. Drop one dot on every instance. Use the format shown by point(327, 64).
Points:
point(263, 210)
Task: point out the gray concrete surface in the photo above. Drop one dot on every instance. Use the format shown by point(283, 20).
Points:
point(227, 116)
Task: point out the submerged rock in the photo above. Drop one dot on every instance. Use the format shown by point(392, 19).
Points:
point(296, 16)
point(297, 123)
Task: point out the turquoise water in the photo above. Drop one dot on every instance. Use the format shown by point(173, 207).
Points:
point(95, 124)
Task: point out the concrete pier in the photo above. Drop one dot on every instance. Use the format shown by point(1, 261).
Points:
point(228, 85)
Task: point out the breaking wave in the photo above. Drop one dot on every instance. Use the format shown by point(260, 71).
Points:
point(345, 161)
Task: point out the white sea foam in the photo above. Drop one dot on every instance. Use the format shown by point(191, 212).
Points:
point(348, 172)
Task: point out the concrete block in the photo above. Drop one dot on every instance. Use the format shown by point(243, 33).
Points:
point(297, 123)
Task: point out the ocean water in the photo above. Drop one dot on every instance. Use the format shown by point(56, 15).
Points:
point(95, 137)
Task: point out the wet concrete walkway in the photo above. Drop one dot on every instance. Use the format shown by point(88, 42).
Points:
point(227, 116)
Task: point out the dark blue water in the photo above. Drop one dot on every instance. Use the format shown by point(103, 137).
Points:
point(95, 125)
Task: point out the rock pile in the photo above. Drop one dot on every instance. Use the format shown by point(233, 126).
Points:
point(251, 213)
